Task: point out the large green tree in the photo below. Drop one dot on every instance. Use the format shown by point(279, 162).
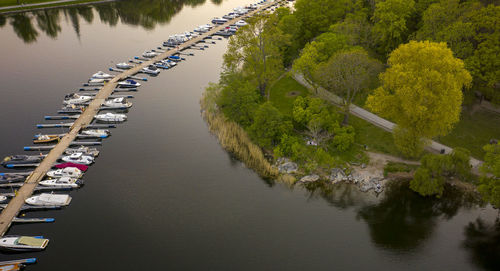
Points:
point(390, 23)
point(421, 91)
point(347, 73)
point(269, 125)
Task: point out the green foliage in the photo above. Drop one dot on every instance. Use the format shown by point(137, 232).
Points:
point(390, 18)
point(357, 30)
point(489, 185)
point(316, 116)
point(288, 147)
point(269, 125)
point(489, 188)
point(392, 167)
point(426, 183)
point(238, 100)
point(343, 139)
point(409, 143)
point(492, 159)
point(421, 91)
point(460, 159)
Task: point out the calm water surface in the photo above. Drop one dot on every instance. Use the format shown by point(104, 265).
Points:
point(163, 195)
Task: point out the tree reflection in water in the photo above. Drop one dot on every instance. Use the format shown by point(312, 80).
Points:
point(145, 13)
point(483, 243)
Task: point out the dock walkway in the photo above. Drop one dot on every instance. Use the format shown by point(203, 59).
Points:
point(86, 118)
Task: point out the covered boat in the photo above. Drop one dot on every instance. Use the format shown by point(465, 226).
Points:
point(22, 159)
point(83, 149)
point(129, 83)
point(219, 21)
point(75, 99)
point(72, 165)
point(101, 75)
point(63, 182)
point(124, 66)
point(151, 69)
point(110, 117)
point(23, 243)
point(49, 199)
point(102, 133)
point(78, 158)
point(149, 54)
point(11, 178)
point(240, 23)
point(66, 172)
point(116, 103)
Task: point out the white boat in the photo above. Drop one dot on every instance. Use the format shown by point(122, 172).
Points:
point(83, 149)
point(117, 103)
point(219, 21)
point(63, 182)
point(23, 243)
point(75, 99)
point(230, 16)
point(78, 158)
point(101, 75)
point(3, 199)
point(110, 117)
point(151, 69)
point(96, 82)
point(240, 10)
point(49, 199)
point(72, 172)
point(96, 132)
point(129, 83)
point(124, 66)
point(240, 23)
point(149, 54)
point(201, 29)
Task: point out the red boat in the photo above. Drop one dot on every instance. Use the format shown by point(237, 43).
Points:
point(78, 166)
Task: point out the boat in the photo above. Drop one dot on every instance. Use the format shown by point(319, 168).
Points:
point(49, 199)
point(71, 109)
point(230, 16)
point(149, 54)
point(11, 178)
point(70, 165)
point(124, 66)
point(15, 265)
point(39, 138)
point(102, 133)
point(201, 29)
point(63, 182)
point(240, 11)
point(78, 158)
point(22, 159)
point(240, 23)
point(232, 28)
point(151, 69)
point(110, 117)
point(224, 33)
point(83, 149)
point(75, 99)
point(219, 21)
point(174, 58)
point(129, 83)
point(172, 42)
point(23, 243)
point(3, 198)
point(101, 75)
point(96, 82)
point(65, 172)
point(116, 103)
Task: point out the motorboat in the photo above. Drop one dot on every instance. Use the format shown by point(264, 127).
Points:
point(22, 159)
point(172, 42)
point(232, 28)
point(230, 16)
point(101, 133)
point(11, 178)
point(219, 21)
point(23, 243)
point(224, 33)
point(124, 66)
point(49, 199)
point(96, 82)
point(151, 69)
point(75, 99)
point(3, 199)
point(101, 75)
point(174, 58)
point(240, 11)
point(162, 65)
point(63, 182)
point(83, 149)
point(40, 139)
point(65, 172)
point(129, 83)
point(116, 103)
point(78, 158)
point(240, 23)
point(252, 6)
point(110, 117)
point(81, 167)
point(201, 29)
point(71, 109)
point(149, 54)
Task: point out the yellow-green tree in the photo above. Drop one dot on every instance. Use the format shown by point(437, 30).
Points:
point(422, 92)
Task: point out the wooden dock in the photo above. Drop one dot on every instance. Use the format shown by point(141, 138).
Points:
point(86, 118)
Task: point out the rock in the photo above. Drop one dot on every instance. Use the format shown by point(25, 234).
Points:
point(337, 175)
point(288, 167)
point(363, 165)
point(309, 178)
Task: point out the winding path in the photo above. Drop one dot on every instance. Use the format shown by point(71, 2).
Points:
point(378, 121)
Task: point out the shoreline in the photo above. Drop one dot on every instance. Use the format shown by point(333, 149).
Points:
point(16, 10)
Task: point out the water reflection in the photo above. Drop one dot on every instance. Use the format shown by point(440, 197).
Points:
point(145, 13)
point(483, 243)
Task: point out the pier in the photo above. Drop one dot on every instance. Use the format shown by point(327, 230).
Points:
point(17, 203)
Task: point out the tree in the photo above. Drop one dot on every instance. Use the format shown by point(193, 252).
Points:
point(390, 22)
point(489, 186)
point(269, 125)
point(421, 91)
point(347, 73)
point(255, 49)
point(429, 178)
point(316, 52)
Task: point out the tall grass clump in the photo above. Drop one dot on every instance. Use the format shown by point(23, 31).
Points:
point(232, 137)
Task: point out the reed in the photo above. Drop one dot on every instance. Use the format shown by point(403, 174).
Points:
point(233, 138)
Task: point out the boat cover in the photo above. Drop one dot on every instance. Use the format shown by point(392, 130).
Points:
point(78, 166)
point(31, 241)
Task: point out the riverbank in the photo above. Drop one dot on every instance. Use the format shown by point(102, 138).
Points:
point(7, 8)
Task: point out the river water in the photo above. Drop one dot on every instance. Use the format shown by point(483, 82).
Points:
point(163, 195)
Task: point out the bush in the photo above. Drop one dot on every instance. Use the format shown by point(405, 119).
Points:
point(269, 126)
point(343, 139)
point(238, 101)
point(392, 167)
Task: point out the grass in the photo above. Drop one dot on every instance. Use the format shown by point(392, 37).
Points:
point(375, 138)
point(284, 92)
point(393, 167)
point(474, 130)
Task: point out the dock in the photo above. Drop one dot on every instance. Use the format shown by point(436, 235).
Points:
point(17, 204)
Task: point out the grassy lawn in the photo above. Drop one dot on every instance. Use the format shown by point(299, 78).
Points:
point(284, 92)
point(375, 138)
point(474, 130)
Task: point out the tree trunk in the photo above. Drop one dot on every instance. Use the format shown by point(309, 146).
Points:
point(262, 89)
point(346, 115)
